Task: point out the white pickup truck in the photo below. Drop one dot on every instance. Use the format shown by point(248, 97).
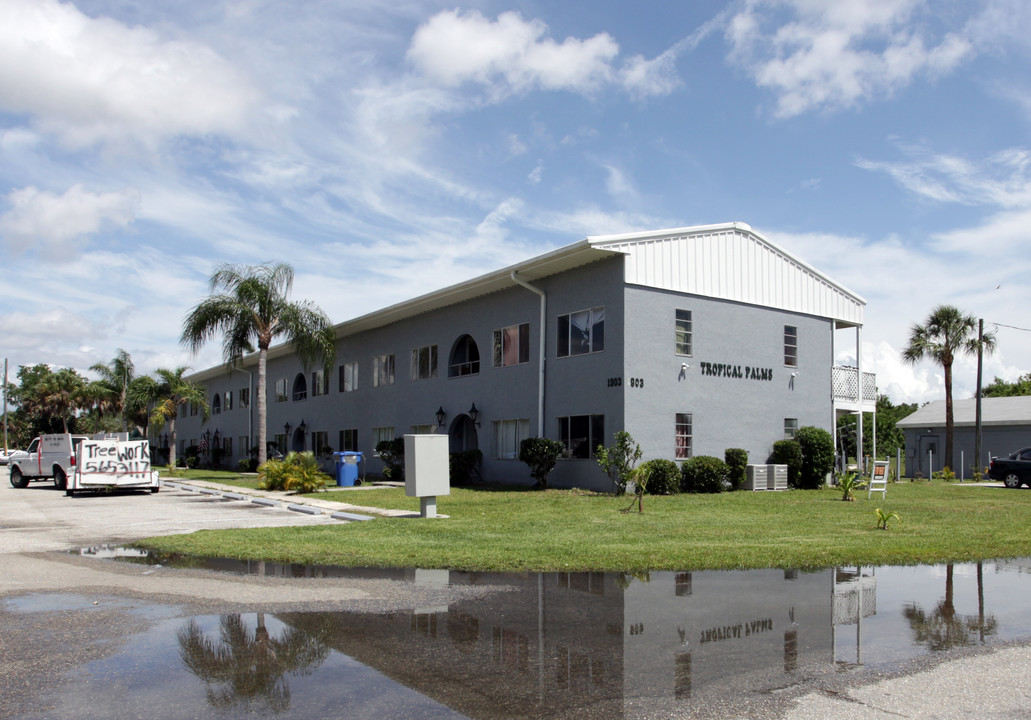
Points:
point(77, 462)
point(48, 457)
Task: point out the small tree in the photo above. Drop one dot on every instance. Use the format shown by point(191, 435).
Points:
point(392, 453)
point(540, 454)
point(619, 460)
point(737, 462)
point(817, 448)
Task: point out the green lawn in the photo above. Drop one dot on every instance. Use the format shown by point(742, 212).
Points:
point(515, 530)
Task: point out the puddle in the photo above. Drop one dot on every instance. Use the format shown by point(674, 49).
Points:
point(552, 645)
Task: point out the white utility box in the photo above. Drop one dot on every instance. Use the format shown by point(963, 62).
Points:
point(427, 471)
point(776, 477)
point(756, 477)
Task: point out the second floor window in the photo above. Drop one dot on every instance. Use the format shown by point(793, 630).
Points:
point(791, 346)
point(245, 397)
point(682, 342)
point(318, 383)
point(581, 332)
point(227, 401)
point(281, 390)
point(348, 377)
point(383, 370)
point(424, 362)
point(512, 345)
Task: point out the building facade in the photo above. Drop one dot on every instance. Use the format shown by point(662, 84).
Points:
point(693, 340)
point(1005, 427)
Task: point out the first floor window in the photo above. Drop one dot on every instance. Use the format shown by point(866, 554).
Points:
point(383, 370)
point(791, 346)
point(581, 332)
point(422, 429)
point(281, 390)
point(512, 345)
point(424, 362)
point(508, 435)
point(349, 440)
point(348, 377)
point(682, 435)
point(581, 434)
point(227, 446)
point(280, 443)
point(244, 444)
point(379, 434)
point(682, 341)
point(320, 442)
point(790, 428)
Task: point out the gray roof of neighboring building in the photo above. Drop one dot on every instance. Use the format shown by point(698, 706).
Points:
point(994, 411)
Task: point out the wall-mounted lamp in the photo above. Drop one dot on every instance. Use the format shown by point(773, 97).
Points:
point(684, 366)
point(286, 429)
point(441, 416)
point(217, 436)
point(303, 427)
point(207, 435)
point(474, 415)
point(794, 374)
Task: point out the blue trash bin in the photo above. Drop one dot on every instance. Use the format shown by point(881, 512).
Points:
point(347, 468)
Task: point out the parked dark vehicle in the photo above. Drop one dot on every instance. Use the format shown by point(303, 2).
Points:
point(1014, 470)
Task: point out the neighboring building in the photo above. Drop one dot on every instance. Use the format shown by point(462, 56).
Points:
point(1005, 427)
point(693, 340)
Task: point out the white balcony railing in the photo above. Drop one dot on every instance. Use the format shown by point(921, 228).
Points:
point(845, 382)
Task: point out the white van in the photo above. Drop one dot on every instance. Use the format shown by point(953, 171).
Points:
point(48, 457)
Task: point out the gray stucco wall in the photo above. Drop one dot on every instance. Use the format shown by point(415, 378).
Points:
point(727, 411)
point(996, 441)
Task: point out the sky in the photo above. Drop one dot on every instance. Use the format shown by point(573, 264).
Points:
point(389, 149)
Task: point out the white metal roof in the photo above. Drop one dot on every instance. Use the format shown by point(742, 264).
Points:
point(728, 261)
point(733, 262)
point(994, 411)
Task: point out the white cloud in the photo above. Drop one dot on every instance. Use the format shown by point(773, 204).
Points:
point(513, 55)
point(54, 225)
point(536, 174)
point(95, 79)
point(618, 185)
point(831, 55)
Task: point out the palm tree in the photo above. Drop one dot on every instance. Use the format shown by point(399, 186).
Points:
point(173, 392)
point(249, 305)
point(61, 394)
point(946, 332)
point(116, 376)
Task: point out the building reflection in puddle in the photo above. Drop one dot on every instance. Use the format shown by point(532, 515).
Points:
point(593, 644)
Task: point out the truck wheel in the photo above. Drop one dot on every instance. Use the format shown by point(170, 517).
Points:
point(1012, 480)
point(17, 479)
point(154, 490)
point(60, 479)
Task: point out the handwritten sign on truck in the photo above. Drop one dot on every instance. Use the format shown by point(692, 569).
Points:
point(114, 463)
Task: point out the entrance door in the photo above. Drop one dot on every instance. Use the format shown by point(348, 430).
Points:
point(462, 435)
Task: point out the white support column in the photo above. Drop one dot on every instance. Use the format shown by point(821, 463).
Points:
point(859, 418)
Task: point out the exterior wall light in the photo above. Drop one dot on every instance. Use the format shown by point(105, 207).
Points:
point(303, 427)
point(441, 416)
point(474, 415)
point(286, 429)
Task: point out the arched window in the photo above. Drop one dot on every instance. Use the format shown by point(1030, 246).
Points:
point(216, 404)
point(300, 387)
point(464, 359)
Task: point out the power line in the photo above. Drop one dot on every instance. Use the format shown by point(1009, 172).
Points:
point(1011, 327)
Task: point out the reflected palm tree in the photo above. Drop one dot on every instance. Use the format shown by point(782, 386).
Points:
point(244, 666)
point(943, 629)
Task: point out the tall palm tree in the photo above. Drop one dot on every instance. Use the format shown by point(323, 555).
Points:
point(140, 397)
point(116, 376)
point(248, 306)
point(946, 332)
point(172, 393)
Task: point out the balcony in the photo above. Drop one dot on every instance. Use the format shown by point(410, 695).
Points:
point(845, 384)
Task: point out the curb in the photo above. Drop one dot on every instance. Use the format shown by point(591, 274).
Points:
point(265, 502)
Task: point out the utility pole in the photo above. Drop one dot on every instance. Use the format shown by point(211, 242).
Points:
point(977, 402)
point(5, 406)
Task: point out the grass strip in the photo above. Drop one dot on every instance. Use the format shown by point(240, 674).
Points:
point(508, 529)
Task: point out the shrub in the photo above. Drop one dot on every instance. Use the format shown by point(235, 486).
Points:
point(788, 452)
point(704, 474)
point(944, 474)
point(462, 464)
point(272, 475)
point(540, 454)
point(737, 461)
point(817, 446)
point(663, 477)
point(304, 473)
point(247, 465)
point(392, 453)
point(618, 461)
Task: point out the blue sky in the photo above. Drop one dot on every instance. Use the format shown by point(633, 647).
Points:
point(389, 149)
